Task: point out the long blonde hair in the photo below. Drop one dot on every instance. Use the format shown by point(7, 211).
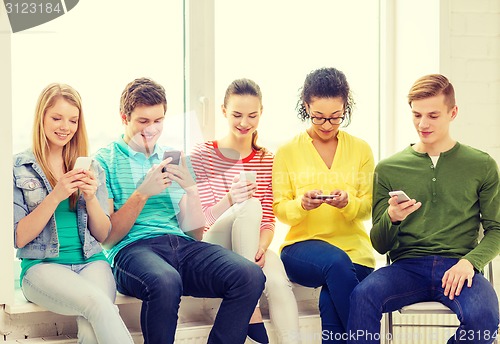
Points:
point(77, 146)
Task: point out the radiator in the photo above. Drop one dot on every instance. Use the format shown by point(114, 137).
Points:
point(422, 328)
point(310, 331)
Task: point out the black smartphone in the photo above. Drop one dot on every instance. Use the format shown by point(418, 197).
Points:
point(325, 196)
point(175, 155)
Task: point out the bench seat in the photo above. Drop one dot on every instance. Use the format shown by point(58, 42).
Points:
point(28, 323)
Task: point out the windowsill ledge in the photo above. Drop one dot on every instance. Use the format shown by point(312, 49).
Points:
point(23, 306)
point(196, 317)
point(307, 300)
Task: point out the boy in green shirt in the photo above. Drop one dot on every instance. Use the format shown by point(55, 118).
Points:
point(433, 237)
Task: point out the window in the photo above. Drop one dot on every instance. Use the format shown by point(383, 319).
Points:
point(97, 47)
point(277, 43)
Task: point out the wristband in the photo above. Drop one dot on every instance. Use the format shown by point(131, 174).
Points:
point(230, 199)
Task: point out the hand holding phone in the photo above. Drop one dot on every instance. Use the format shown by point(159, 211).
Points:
point(250, 176)
point(89, 186)
point(402, 196)
point(83, 162)
point(243, 186)
point(325, 196)
point(398, 213)
point(175, 155)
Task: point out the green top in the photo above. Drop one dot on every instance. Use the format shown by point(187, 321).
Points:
point(457, 195)
point(70, 246)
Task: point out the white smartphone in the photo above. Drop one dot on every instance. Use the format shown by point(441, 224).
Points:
point(402, 197)
point(325, 197)
point(251, 176)
point(83, 162)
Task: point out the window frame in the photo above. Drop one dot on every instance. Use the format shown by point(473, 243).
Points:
point(7, 238)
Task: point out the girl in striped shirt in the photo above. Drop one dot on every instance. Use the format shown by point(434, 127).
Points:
point(234, 178)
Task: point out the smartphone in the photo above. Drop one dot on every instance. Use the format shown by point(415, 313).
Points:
point(83, 162)
point(251, 176)
point(175, 155)
point(325, 197)
point(402, 197)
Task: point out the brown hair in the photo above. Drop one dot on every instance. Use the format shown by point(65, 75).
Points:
point(430, 86)
point(141, 91)
point(246, 87)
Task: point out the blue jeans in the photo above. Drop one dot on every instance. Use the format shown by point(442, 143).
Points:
point(85, 290)
point(413, 280)
point(160, 270)
point(315, 263)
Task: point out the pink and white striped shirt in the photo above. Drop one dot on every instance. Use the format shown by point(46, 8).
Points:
point(215, 173)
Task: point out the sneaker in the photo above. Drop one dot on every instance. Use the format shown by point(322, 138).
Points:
point(257, 333)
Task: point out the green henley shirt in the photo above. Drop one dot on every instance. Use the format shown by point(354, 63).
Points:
point(458, 195)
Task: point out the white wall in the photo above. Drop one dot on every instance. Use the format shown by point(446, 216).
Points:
point(460, 39)
point(473, 66)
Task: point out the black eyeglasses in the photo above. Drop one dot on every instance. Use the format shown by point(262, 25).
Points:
point(322, 120)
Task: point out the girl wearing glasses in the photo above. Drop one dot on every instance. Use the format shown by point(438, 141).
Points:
point(233, 175)
point(322, 187)
point(60, 216)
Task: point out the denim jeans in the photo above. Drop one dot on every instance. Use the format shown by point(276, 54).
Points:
point(413, 280)
point(315, 263)
point(87, 291)
point(162, 269)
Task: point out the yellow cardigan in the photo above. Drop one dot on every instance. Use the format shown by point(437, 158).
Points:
point(299, 168)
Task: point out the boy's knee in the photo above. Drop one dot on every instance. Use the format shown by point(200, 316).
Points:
point(165, 286)
point(485, 317)
point(171, 282)
point(254, 277)
point(482, 309)
point(361, 292)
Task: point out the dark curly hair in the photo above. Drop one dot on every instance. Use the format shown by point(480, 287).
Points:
point(325, 83)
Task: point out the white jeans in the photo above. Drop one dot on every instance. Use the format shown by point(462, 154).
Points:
point(87, 291)
point(238, 229)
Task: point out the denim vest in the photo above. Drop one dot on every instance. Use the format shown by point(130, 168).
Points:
point(30, 189)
